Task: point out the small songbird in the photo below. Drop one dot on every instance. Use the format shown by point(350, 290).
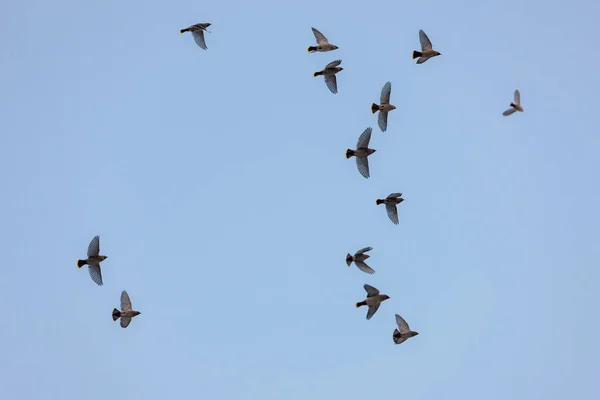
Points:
point(198, 33)
point(362, 152)
point(384, 107)
point(323, 44)
point(515, 106)
point(329, 74)
point(373, 300)
point(359, 259)
point(426, 49)
point(93, 261)
point(404, 333)
point(390, 205)
point(126, 312)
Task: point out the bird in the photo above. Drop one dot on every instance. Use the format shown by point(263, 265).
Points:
point(384, 107)
point(390, 205)
point(373, 300)
point(426, 49)
point(323, 44)
point(126, 312)
point(515, 106)
point(93, 261)
point(359, 259)
point(198, 33)
point(404, 333)
point(329, 74)
point(362, 152)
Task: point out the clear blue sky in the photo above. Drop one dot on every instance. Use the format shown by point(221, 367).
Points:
point(218, 185)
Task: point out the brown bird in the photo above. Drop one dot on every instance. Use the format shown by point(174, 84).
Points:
point(359, 259)
point(426, 49)
point(362, 152)
point(373, 300)
point(126, 312)
point(515, 106)
point(198, 33)
point(93, 261)
point(404, 333)
point(329, 75)
point(390, 205)
point(384, 107)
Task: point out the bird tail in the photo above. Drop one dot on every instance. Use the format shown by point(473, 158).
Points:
point(318, 73)
point(116, 314)
point(374, 108)
point(349, 153)
point(348, 259)
point(311, 49)
point(184, 30)
point(379, 201)
point(416, 54)
point(80, 263)
point(512, 105)
point(362, 303)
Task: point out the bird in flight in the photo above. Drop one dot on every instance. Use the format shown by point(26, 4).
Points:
point(323, 44)
point(198, 33)
point(404, 333)
point(93, 261)
point(126, 312)
point(359, 259)
point(362, 152)
point(373, 300)
point(426, 49)
point(384, 107)
point(329, 75)
point(390, 205)
point(515, 105)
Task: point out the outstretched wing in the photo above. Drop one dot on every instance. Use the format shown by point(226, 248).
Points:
point(372, 310)
point(331, 82)
point(199, 39)
point(385, 93)
point(371, 291)
point(333, 64)
point(517, 97)
point(364, 138)
point(402, 324)
point(421, 60)
point(125, 322)
point(95, 273)
point(425, 42)
point(394, 195)
point(364, 267)
point(382, 120)
point(321, 39)
point(362, 163)
point(509, 111)
point(398, 338)
point(94, 247)
point(361, 251)
point(125, 301)
point(392, 212)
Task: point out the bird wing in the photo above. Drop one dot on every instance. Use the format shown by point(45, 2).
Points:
point(361, 251)
point(382, 120)
point(94, 247)
point(394, 195)
point(321, 39)
point(421, 60)
point(372, 310)
point(509, 111)
point(331, 82)
point(364, 139)
point(125, 302)
point(425, 42)
point(95, 273)
point(402, 324)
point(371, 291)
point(364, 267)
point(385, 93)
point(392, 212)
point(362, 163)
point(517, 97)
point(397, 338)
point(199, 39)
point(125, 322)
point(333, 64)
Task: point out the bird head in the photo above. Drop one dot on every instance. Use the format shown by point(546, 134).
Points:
point(385, 297)
point(437, 53)
point(136, 313)
point(335, 47)
point(413, 333)
point(102, 258)
point(400, 200)
point(393, 107)
point(340, 69)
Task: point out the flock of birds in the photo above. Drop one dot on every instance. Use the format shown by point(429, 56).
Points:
point(361, 153)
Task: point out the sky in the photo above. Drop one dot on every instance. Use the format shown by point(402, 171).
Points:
point(218, 184)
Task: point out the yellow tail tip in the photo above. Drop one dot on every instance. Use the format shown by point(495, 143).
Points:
point(181, 31)
point(356, 305)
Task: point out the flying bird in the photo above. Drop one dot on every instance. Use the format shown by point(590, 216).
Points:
point(329, 74)
point(390, 205)
point(93, 261)
point(126, 312)
point(323, 44)
point(198, 33)
point(515, 106)
point(359, 259)
point(384, 107)
point(426, 49)
point(404, 333)
point(373, 300)
point(362, 152)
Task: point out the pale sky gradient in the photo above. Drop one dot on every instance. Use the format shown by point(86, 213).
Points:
point(218, 185)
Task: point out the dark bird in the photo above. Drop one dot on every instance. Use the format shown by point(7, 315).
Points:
point(323, 44)
point(390, 205)
point(93, 261)
point(329, 74)
point(126, 312)
point(404, 333)
point(362, 152)
point(373, 300)
point(515, 106)
point(426, 49)
point(198, 33)
point(359, 259)
point(384, 107)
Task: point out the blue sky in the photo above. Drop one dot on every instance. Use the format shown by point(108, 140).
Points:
point(218, 185)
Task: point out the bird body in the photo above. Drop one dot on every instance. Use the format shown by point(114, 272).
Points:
point(93, 261)
point(515, 105)
point(359, 259)
point(384, 107)
point(426, 49)
point(197, 31)
point(390, 205)
point(373, 300)
point(403, 332)
point(329, 75)
point(362, 152)
point(323, 44)
point(126, 313)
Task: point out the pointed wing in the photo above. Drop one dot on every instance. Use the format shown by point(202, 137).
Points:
point(402, 324)
point(364, 267)
point(199, 39)
point(392, 212)
point(509, 111)
point(371, 291)
point(125, 322)
point(421, 60)
point(382, 120)
point(394, 195)
point(95, 273)
point(362, 163)
point(125, 301)
point(331, 82)
point(517, 97)
point(364, 138)
point(94, 247)
point(397, 338)
point(321, 39)
point(425, 42)
point(372, 310)
point(361, 251)
point(385, 93)
point(333, 64)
